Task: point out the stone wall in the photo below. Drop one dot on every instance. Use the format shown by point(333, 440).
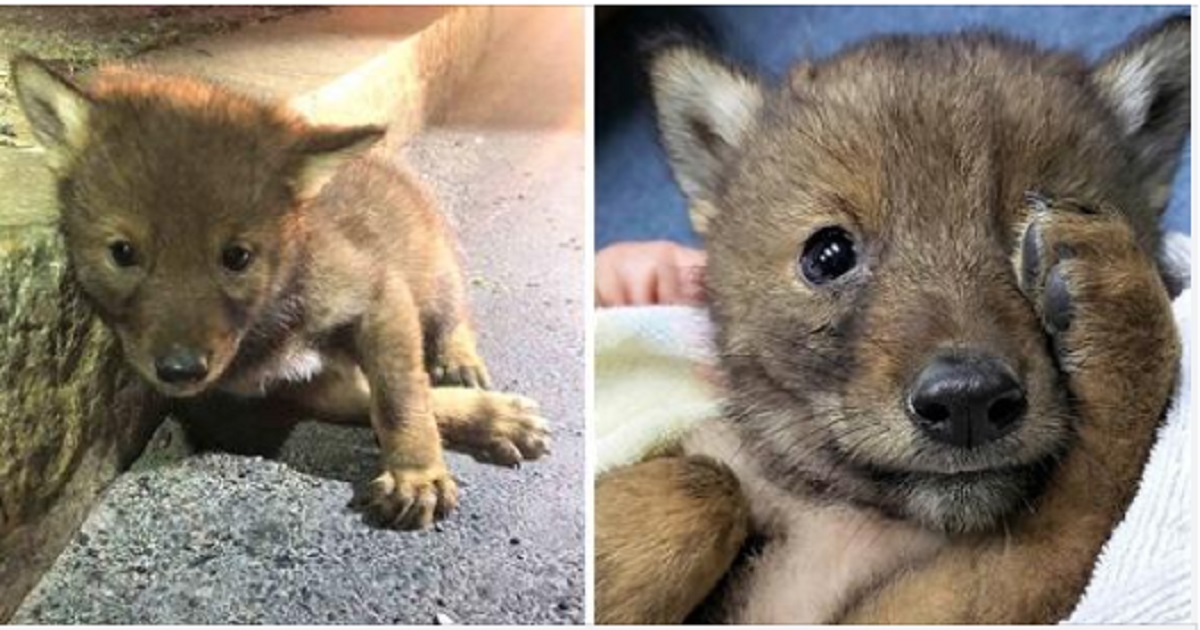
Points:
point(71, 415)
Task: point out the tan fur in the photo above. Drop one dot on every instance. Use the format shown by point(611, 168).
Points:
point(826, 551)
point(492, 427)
point(657, 568)
point(353, 275)
point(1000, 200)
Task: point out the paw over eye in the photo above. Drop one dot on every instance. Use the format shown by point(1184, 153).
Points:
point(123, 253)
point(828, 255)
point(236, 258)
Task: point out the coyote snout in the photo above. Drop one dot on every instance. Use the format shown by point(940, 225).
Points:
point(181, 366)
point(966, 400)
point(177, 361)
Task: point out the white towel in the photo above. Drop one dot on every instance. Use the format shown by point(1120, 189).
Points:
point(1145, 571)
point(651, 385)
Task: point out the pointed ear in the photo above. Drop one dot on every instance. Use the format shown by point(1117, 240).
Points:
point(57, 110)
point(705, 108)
point(1147, 83)
point(324, 150)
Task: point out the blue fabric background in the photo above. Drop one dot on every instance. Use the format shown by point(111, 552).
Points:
point(636, 198)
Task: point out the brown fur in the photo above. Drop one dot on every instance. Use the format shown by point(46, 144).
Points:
point(692, 505)
point(353, 275)
point(926, 150)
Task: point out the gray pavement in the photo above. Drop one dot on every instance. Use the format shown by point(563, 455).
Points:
point(224, 538)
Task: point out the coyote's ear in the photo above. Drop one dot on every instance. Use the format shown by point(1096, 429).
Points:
point(705, 107)
point(1147, 83)
point(324, 150)
point(57, 110)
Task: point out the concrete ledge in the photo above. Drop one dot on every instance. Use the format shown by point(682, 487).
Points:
point(389, 66)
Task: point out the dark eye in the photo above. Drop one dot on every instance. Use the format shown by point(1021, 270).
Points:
point(236, 258)
point(828, 255)
point(122, 253)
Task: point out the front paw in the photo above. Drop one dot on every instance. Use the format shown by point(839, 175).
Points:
point(510, 431)
point(413, 498)
point(1096, 292)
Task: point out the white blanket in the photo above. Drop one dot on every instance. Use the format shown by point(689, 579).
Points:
point(652, 383)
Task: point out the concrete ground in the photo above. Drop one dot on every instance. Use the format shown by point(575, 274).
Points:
point(220, 538)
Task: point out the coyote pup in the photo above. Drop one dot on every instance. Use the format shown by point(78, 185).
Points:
point(232, 247)
point(944, 337)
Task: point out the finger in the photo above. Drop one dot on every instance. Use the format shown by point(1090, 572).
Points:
point(638, 283)
point(667, 280)
point(608, 286)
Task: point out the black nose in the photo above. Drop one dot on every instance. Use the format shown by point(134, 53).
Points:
point(966, 400)
point(181, 365)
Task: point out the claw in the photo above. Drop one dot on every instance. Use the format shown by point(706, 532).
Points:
point(1057, 301)
point(411, 499)
point(1030, 259)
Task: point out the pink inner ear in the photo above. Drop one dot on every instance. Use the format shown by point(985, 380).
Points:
point(324, 151)
point(38, 85)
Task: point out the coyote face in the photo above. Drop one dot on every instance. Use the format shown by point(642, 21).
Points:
point(182, 211)
point(862, 222)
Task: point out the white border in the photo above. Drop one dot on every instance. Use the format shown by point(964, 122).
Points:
point(589, 253)
point(589, 315)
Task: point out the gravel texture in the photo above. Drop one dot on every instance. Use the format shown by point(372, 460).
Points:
point(226, 539)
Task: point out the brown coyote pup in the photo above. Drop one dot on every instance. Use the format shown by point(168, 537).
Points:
point(231, 247)
point(944, 337)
